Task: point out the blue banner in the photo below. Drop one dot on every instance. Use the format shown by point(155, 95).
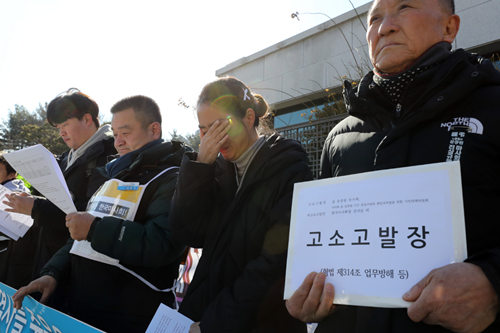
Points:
point(35, 317)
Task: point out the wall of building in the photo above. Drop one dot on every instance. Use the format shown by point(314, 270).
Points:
point(301, 67)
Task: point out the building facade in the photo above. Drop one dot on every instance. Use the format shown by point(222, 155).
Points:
point(301, 77)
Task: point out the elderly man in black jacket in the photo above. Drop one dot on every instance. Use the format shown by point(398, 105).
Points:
point(421, 104)
point(133, 259)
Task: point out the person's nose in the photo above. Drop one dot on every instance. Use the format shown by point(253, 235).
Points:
point(388, 25)
point(118, 140)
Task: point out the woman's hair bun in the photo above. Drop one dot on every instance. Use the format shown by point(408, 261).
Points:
point(234, 96)
point(261, 105)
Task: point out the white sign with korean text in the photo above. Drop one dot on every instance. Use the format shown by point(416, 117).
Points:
point(377, 234)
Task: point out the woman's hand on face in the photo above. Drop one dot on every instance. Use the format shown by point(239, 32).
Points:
point(212, 141)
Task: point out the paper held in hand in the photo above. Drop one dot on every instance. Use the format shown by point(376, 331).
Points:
point(13, 225)
point(167, 320)
point(376, 234)
point(39, 167)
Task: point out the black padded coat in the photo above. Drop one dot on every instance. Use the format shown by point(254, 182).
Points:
point(239, 282)
point(449, 112)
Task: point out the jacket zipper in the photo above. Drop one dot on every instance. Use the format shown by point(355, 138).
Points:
point(427, 91)
point(398, 110)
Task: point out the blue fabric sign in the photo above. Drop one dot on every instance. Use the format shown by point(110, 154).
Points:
point(35, 317)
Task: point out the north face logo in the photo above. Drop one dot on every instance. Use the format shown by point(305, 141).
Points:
point(474, 125)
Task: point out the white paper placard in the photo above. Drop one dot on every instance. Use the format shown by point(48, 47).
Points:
point(376, 234)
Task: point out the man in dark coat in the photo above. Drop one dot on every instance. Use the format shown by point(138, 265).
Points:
point(76, 116)
point(123, 297)
point(421, 104)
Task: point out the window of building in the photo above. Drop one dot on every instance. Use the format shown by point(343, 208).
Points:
point(294, 117)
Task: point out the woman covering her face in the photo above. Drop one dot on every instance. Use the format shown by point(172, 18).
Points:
point(233, 199)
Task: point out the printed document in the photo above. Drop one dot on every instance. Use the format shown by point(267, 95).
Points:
point(39, 167)
point(167, 320)
point(13, 225)
point(375, 235)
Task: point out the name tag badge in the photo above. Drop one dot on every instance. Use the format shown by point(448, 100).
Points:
point(128, 186)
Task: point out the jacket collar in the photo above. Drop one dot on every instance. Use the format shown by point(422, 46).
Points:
point(430, 96)
point(459, 75)
point(91, 153)
point(165, 153)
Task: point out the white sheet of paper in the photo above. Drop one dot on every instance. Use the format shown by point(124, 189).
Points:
point(9, 233)
point(13, 225)
point(167, 320)
point(39, 167)
point(344, 227)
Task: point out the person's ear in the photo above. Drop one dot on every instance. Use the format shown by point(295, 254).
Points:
point(88, 119)
point(451, 28)
point(11, 176)
point(156, 130)
point(249, 117)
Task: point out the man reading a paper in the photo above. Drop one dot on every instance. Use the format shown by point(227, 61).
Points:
point(423, 103)
point(124, 260)
point(75, 114)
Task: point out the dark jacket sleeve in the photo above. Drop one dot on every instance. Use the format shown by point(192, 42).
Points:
point(45, 214)
point(259, 290)
point(60, 264)
point(193, 201)
point(147, 245)
point(489, 261)
point(326, 167)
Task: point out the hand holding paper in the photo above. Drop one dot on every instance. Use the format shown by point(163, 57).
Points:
point(167, 320)
point(458, 297)
point(313, 300)
point(12, 224)
point(375, 235)
point(79, 224)
point(21, 203)
point(195, 328)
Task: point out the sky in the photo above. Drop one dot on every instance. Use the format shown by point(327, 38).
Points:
point(111, 49)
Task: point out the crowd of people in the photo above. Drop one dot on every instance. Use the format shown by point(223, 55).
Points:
point(112, 269)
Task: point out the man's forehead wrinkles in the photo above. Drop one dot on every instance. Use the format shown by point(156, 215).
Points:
point(377, 6)
point(126, 126)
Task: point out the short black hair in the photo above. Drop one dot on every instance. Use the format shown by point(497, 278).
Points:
point(8, 167)
point(145, 108)
point(449, 5)
point(72, 104)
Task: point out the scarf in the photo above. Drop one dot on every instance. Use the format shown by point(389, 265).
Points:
point(245, 159)
point(394, 84)
point(123, 162)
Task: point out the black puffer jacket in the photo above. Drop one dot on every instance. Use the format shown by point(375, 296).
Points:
point(238, 284)
point(25, 258)
point(107, 297)
point(450, 112)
